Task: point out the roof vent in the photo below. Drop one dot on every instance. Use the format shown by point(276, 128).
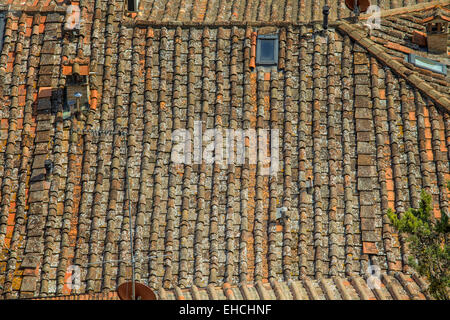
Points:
point(281, 215)
point(309, 185)
point(49, 166)
point(326, 12)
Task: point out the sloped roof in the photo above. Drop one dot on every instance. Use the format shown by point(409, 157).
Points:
point(431, 84)
point(252, 10)
point(364, 128)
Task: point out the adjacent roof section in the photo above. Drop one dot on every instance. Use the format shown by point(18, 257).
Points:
point(399, 27)
point(395, 40)
point(297, 11)
point(435, 85)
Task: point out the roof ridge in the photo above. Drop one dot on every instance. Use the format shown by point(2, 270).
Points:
point(411, 76)
point(407, 9)
point(39, 8)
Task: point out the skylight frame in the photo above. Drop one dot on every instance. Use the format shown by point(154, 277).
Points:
point(425, 63)
point(267, 62)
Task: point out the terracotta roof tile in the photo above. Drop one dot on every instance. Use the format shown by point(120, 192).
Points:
point(334, 289)
point(359, 132)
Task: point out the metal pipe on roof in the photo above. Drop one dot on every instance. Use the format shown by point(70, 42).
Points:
point(326, 12)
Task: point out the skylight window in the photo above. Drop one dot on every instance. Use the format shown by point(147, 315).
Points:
point(426, 63)
point(267, 50)
point(2, 29)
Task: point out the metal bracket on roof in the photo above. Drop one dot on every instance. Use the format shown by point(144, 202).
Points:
point(309, 185)
point(281, 215)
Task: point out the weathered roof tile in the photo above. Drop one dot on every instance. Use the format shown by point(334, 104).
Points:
point(345, 109)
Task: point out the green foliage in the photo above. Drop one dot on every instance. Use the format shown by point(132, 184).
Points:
point(428, 244)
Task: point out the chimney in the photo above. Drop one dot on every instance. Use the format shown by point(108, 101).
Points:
point(437, 26)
